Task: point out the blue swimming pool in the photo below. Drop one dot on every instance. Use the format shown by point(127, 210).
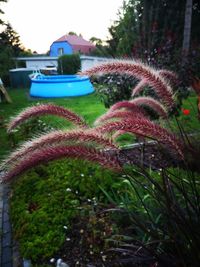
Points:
point(60, 86)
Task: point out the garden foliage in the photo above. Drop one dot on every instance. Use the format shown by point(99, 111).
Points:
point(161, 207)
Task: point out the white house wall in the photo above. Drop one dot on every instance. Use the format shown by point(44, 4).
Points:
point(88, 62)
point(38, 64)
point(42, 62)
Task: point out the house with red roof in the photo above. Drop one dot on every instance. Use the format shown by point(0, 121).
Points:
point(70, 44)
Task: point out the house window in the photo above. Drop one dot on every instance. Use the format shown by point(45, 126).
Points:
point(60, 51)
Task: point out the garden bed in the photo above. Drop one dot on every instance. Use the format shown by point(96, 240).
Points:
point(86, 241)
point(148, 155)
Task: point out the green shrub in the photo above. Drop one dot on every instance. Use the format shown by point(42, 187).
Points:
point(69, 64)
point(39, 213)
point(47, 198)
point(113, 88)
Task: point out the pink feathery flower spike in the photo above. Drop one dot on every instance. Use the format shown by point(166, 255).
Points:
point(144, 127)
point(128, 105)
point(152, 103)
point(45, 109)
point(56, 138)
point(169, 75)
point(166, 74)
point(53, 153)
point(117, 114)
point(140, 71)
point(139, 87)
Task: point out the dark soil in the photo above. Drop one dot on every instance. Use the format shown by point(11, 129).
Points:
point(149, 155)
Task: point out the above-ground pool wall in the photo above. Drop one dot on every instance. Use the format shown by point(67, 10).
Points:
point(60, 86)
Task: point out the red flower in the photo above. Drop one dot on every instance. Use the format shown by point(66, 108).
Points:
point(186, 111)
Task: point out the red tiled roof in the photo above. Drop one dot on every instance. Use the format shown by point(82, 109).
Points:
point(74, 40)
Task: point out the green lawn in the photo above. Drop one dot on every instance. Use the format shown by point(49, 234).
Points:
point(189, 122)
point(89, 107)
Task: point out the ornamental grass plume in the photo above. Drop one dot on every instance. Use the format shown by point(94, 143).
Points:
point(128, 109)
point(45, 109)
point(139, 87)
point(57, 138)
point(128, 105)
point(53, 153)
point(166, 74)
point(117, 114)
point(140, 71)
point(169, 75)
point(152, 103)
point(145, 128)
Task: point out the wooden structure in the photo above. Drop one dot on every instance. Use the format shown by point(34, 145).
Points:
point(3, 93)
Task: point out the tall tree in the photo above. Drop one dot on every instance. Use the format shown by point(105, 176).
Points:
point(9, 38)
point(1, 12)
point(187, 26)
point(10, 47)
point(147, 28)
point(124, 31)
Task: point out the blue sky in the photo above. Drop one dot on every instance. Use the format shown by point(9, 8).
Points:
point(40, 22)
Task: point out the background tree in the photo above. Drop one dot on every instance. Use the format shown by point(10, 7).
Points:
point(153, 30)
point(187, 27)
point(101, 49)
point(9, 38)
point(1, 12)
point(10, 47)
point(72, 33)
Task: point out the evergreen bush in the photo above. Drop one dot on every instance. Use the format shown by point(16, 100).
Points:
point(69, 64)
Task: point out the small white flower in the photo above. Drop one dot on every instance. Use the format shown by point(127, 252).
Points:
point(52, 260)
point(65, 227)
point(68, 189)
point(104, 258)
point(68, 239)
point(82, 175)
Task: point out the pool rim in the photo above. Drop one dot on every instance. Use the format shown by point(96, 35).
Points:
point(59, 79)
